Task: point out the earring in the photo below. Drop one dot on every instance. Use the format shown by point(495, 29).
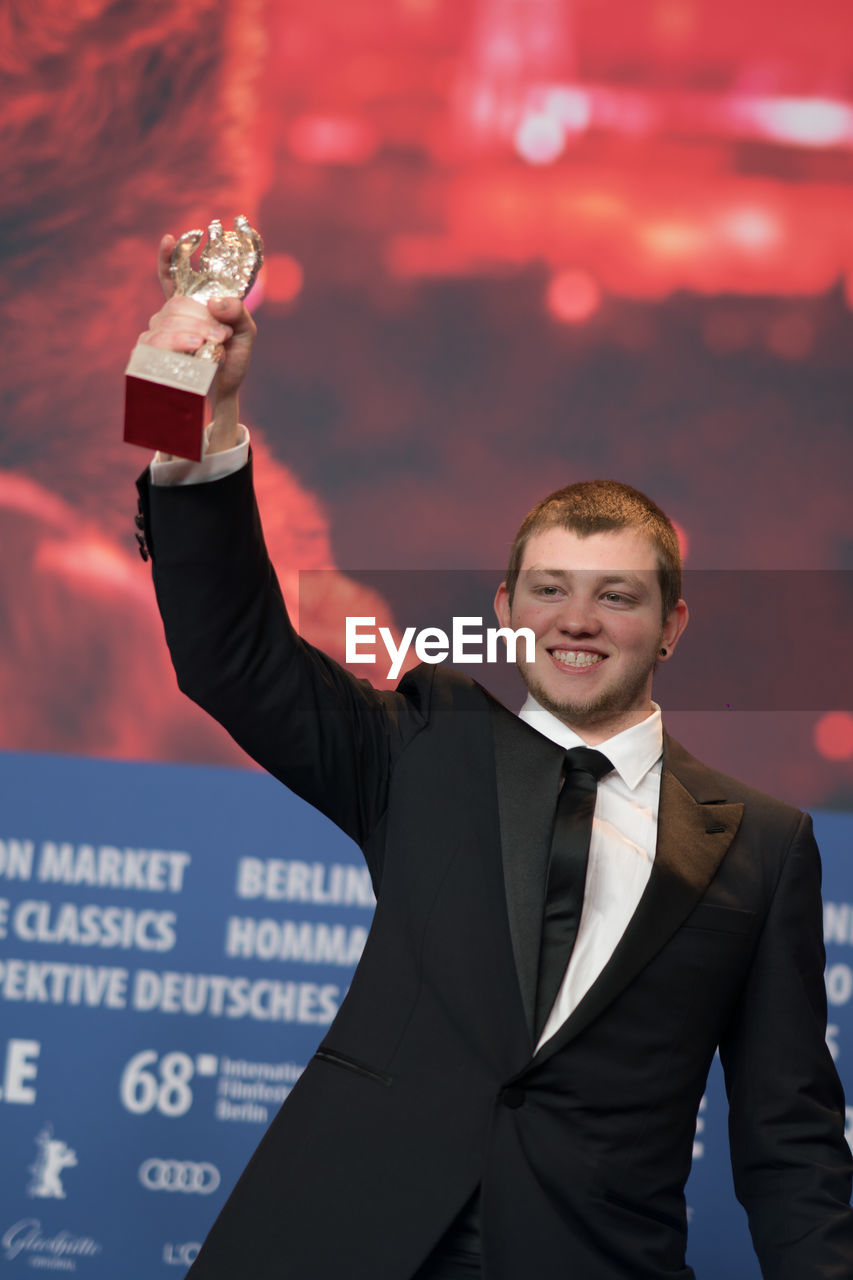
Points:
point(663, 653)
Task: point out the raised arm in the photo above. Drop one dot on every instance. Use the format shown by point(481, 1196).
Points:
point(329, 737)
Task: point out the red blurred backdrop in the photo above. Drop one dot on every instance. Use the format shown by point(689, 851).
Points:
point(512, 243)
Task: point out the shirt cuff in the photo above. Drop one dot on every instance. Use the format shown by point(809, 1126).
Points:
point(213, 466)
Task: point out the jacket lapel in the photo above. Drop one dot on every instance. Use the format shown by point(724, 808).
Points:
point(528, 767)
point(695, 830)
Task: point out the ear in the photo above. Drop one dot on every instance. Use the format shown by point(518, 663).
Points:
point(503, 612)
point(673, 629)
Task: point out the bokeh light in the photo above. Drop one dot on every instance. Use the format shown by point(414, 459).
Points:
point(540, 139)
point(683, 539)
point(809, 122)
point(573, 296)
point(283, 278)
point(833, 735)
point(327, 139)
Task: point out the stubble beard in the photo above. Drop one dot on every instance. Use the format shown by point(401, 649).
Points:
point(609, 705)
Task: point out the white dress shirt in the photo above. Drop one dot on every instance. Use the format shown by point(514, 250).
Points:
point(212, 466)
point(621, 849)
point(624, 829)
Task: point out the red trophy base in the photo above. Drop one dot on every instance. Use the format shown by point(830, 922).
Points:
point(165, 393)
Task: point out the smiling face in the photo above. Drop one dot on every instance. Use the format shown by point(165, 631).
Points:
point(594, 606)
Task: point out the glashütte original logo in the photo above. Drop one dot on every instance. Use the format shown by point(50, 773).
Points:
point(59, 1252)
point(192, 1177)
point(53, 1158)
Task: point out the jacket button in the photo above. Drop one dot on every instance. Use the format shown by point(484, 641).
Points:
point(512, 1097)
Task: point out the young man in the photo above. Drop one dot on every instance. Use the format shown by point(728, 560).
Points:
point(487, 1103)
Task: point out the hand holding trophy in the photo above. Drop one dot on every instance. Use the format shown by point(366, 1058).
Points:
point(170, 371)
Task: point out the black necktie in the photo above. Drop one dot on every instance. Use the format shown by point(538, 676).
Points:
point(567, 872)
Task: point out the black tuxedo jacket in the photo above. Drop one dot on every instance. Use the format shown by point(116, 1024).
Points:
point(427, 1083)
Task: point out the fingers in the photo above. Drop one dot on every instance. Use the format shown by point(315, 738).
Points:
point(232, 312)
point(183, 324)
point(164, 261)
point(179, 341)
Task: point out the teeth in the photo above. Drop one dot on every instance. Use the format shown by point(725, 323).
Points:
point(577, 657)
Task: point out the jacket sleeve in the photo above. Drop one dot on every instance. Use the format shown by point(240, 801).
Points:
point(331, 738)
point(791, 1162)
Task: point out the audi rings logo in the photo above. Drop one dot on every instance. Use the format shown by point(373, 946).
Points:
point(179, 1175)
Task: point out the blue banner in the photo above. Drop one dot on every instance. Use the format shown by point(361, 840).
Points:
point(174, 941)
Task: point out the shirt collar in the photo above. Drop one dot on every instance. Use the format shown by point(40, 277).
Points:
point(633, 752)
